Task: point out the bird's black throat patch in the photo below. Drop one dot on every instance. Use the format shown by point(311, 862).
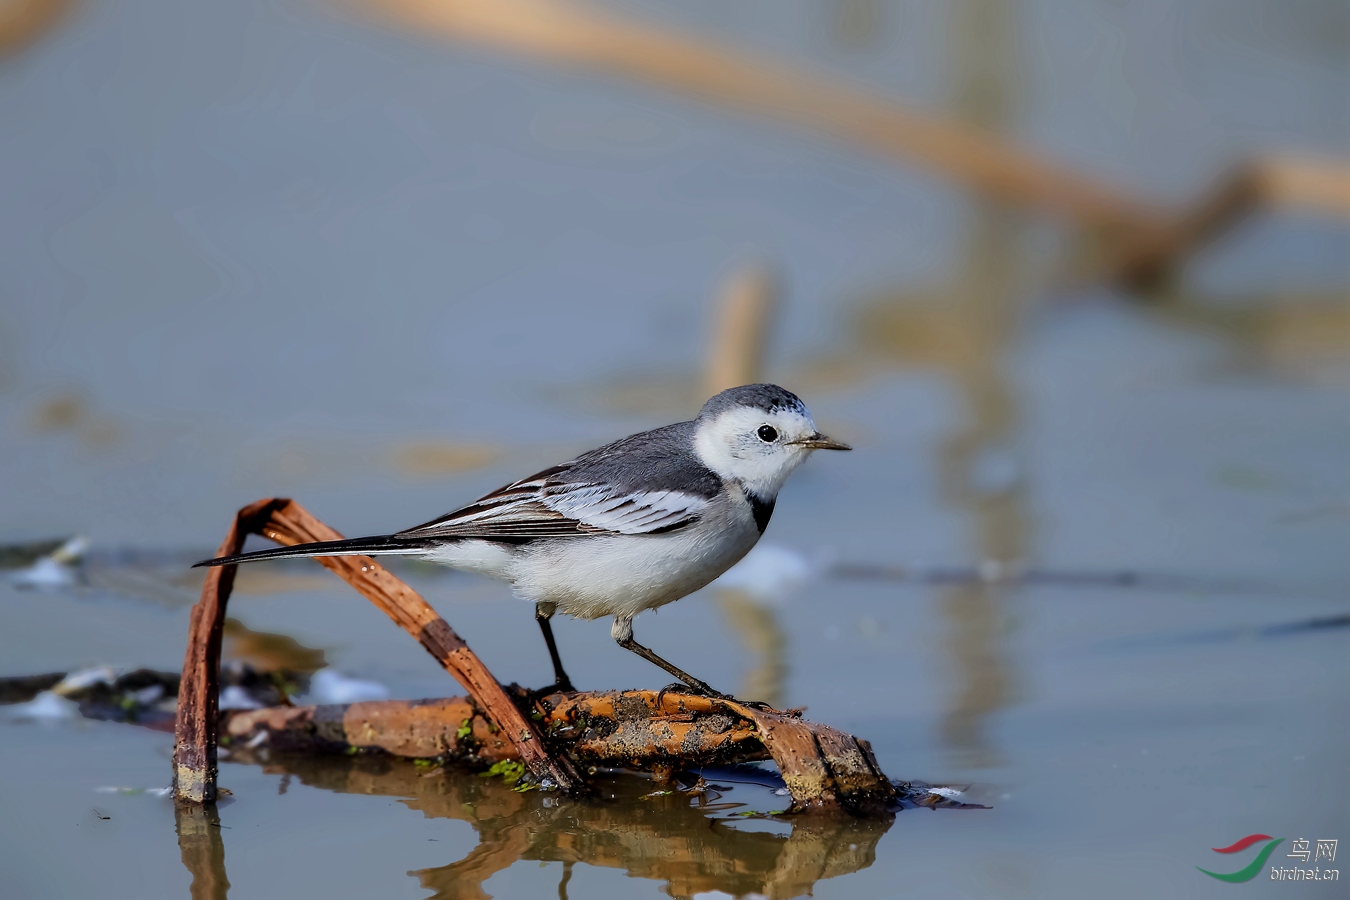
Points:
point(762, 509)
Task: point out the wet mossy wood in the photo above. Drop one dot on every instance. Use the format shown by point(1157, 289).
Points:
point(822, 767)
point(632, 729)
point(643, 730)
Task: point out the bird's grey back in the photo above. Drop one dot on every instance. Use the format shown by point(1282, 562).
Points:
point(662, 459)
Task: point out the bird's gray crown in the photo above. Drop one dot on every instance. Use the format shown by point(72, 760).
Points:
point(768, 397)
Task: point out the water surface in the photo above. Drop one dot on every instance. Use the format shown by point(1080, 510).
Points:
point(255, 250)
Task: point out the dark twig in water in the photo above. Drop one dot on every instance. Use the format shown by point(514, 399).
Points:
point(1124, 578)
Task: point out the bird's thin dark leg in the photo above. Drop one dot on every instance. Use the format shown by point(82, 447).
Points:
point(623, 636)
point(560, 680)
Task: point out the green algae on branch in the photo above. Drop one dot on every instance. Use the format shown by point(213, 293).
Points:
point(510, 772)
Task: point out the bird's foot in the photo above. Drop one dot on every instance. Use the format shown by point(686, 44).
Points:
point(762, 705)
point(702, 689)
point(697, 688)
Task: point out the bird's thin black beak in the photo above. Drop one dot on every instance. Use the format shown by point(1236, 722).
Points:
point(819, 441)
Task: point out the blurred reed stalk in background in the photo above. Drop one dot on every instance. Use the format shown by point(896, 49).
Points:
point(1121, 238)
point(978, 466)
point(579, 36)
point(743, 315)
point(23, 22)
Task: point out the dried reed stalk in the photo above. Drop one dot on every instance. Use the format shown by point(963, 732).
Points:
point(286, 522)
point(570, 34)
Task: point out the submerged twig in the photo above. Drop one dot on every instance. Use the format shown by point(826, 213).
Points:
point(1015, 576)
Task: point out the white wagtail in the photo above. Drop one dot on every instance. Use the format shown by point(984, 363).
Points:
point(633, 525)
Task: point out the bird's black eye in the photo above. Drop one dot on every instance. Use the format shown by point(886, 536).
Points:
point(767, 433)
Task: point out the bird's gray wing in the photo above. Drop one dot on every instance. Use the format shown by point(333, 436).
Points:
point(552, 505)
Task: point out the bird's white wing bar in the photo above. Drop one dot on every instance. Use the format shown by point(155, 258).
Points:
point(537, 509)
point(638, 512)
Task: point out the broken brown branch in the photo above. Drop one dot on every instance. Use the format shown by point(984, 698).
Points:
point(286, 522)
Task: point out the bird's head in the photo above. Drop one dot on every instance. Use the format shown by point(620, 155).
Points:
point(756, 435)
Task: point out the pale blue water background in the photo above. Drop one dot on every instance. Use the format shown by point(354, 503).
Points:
point(265, 250)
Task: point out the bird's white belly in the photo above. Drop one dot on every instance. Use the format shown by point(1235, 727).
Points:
point(623, 575)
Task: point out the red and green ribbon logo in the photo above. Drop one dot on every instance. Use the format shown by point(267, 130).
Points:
point(1249, 871)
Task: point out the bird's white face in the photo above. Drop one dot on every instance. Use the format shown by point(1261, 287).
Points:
point(757, 448)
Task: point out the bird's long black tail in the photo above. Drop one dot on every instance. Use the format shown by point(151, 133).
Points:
point(384, 544)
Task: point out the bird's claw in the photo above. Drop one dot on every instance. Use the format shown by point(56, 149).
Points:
point(703, 690)
point(761, 705)
point(698, 690)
